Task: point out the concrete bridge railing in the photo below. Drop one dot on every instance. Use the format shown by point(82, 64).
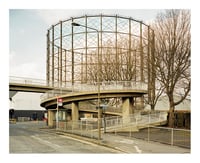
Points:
point(93, 87)
point(27, 81)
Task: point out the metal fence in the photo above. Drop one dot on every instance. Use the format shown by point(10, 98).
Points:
point(171, 136)
point(82, 128)
point(89, 126)
point(136, 119)
point(135, 126)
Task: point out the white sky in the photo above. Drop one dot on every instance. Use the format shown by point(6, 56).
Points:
point(23, 52)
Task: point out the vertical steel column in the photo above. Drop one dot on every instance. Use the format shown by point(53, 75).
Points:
point(72, 53)
point(48, 60)
point(153, 64)
point(82, 74)
point(60, 68)
point(58, 65)
point(129, 49)
point(116, 46)
point(52, 54)
point(135, 54)
point(141, 56)
point(98, 81)
point(86, 48)
point(149, 67)
point(100, 36)
point(141, 63)
point(65, 67)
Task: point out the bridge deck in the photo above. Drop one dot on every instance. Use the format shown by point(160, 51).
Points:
point(77, 92)
point(29, 88)
point(51, 100)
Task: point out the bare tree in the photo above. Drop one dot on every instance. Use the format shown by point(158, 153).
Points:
point(172, 55)
point(155, 88)
point(120, 66)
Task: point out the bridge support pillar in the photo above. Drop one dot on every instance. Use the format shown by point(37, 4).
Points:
point(139, 103)
point(75, 112)
point(51, 117)
point(127, 109)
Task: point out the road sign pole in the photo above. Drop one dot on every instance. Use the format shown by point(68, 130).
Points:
point(59, 103)
point(57, 116)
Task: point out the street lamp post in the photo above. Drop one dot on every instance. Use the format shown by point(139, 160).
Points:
point(57, 121)
point(98, 77)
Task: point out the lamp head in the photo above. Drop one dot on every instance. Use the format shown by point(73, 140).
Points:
point(75, 24)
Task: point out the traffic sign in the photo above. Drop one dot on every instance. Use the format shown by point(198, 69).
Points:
point(59, 101)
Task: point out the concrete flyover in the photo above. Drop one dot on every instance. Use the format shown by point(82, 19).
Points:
point(29, 88)
point(21, 84)
point(83, 96)
point(73, 94)
point(84, 92)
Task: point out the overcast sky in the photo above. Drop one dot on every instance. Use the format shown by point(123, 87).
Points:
point(27, 35)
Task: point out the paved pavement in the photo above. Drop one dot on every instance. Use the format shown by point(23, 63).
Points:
point(26, 137)
point(47, 141)
point(131, 145)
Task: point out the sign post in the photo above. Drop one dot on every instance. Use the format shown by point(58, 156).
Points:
point(59, 103)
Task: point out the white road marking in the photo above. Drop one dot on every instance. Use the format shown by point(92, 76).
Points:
point(46, 142)
point(82, 141)
point(126, 141)
point(137, 149)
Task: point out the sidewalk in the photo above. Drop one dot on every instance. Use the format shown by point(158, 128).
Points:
point(133, 145)
point(130, 145)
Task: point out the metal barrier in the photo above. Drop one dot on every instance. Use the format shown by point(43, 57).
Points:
point(88, 127)
point(124, 127)
point(136, 119)
point(82, 128)
point(165, 135)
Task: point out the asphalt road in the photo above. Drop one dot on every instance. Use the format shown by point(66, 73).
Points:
point(26, 137)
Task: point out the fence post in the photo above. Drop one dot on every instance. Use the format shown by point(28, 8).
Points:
point(81, 128)
point(172, 136)
point(65, 126)
point(136, 120)
point(91, 126)
point(72, 126)
point(149, 118)
point(148, 134)
point(159, 116)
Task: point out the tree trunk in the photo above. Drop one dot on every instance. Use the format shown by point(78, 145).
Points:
point(152, 107)
point(171, 116)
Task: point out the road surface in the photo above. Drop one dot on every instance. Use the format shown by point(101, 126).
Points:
point(27, 137)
